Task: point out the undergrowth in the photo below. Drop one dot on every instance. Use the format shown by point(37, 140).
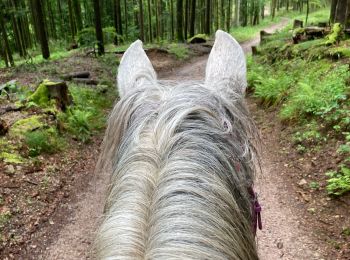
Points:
point(308, 84)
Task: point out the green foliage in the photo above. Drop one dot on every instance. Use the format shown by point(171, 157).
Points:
point(335, 34)
point(22, 126)
point(43, 141)
point(314, 185)
point(309, 137)
point(79, 124)
point(181, 51)
point(338, 182)
point(87, 36)
point(317, 94)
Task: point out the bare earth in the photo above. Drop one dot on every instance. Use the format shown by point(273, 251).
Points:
point(282, 236)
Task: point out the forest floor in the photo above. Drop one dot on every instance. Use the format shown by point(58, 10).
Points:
point(65, 230)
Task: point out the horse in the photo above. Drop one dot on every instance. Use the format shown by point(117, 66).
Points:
point(183, 159)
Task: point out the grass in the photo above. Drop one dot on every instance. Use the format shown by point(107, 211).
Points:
point(43, 141)
point(246, 33)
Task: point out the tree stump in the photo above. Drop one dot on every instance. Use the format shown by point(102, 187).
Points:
point(49, 90)
point(254, 51)
point(297, 24)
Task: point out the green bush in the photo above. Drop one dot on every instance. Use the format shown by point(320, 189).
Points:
point(87, 36)
point(339, 182)
point(43, 141)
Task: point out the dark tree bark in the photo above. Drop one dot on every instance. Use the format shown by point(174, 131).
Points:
point(7, 50)
point(126, 19)
point(149, 20)
point(340, 14)
point(207, 17)
point(192, 17)
point(172, 19)
point(142, 32)
point(71, 20)
point(77, 14)
point(41, 29)
point(228, 16)
point(98, 28)
point(333, 9)
point(179, 18)
point(117, 20)
point(186, 17)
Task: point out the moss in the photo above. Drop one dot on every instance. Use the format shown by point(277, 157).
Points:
point(198, 38)
point(25, 125)
point(40, 96)
point(12, 158)
point(335, 34)
point(340, 52)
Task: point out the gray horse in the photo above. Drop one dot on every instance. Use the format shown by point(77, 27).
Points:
point(183, 161)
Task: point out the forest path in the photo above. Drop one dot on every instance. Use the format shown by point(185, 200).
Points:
point(281, 237)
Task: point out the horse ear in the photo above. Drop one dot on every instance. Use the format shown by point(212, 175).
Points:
point(226, 62)
point(135, 69)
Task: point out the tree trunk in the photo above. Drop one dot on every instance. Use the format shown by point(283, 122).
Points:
point(149, 20)
point(237, 11)
point(77, 12)
point(228, 16)
point(207, 17)
point(172, 19)
point(98, 28)
point(142, 33)
point(41, 29)
point(333, 9)
point(192, 17)
point(71, 20)
point(340, 14)
point(179, 18)
point(7, 49)
point(126, 19)
point(186, 17)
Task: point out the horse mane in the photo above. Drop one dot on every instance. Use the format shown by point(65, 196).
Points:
point(182, 157)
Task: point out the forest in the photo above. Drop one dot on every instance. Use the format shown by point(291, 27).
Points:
point(30, 25)
point(58, 65)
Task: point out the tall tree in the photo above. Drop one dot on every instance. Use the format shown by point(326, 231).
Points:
point(77, 14)
point(7, 50)
point(142, 30)
point(41, 29)
point(179, 19)
point(192, 17)
point(207, 17)
point(149, 20)
point(98, 28)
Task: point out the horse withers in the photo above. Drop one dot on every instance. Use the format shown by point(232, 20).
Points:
point(182, 162)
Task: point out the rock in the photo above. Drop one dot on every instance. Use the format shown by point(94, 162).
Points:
point(199, 38)
point(10, 169)
point(302, 182)
point(279, 245)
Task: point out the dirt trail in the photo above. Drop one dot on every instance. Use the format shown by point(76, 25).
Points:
point(281, 237)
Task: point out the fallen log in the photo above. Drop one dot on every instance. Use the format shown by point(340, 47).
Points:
point(309, 33)
point(85, 81)
point(9, 108)
point(81, 74)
